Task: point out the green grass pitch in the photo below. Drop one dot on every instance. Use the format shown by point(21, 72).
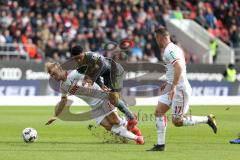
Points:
point(72, 140)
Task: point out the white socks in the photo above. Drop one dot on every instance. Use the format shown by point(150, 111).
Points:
point(123, 121)
point(192, 120)
point(122, 131)
point(161, 124)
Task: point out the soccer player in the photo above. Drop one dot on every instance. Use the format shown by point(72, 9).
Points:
point(70, 85)
point(112, 73)
point(235, 141)
point(175, 93)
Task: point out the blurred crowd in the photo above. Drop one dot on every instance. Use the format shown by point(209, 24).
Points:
point(219, 17)
point(53, 26)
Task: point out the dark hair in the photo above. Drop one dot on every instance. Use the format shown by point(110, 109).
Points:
point(231, 66)
point(162, 31)
point(174, 39)
point(76, 50)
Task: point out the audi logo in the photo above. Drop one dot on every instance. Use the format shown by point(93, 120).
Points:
point(10, 73)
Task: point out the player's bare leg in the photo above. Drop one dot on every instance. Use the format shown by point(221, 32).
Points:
point(193, 120)
point(116, 82)
point(161, 124)
point(180, 107)
point(115, 100)
point(189, 120)
point(115, 119)
point(119, 129)
point(107, 125)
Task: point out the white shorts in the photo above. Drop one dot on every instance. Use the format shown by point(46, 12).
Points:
point(179, 103)
point(99, 119)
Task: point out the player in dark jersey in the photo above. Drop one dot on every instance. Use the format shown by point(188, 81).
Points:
point(94, 66)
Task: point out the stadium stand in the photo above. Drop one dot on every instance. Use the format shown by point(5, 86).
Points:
point(53, 26)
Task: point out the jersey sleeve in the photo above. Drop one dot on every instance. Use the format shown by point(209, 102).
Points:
point(172, 57)
point(75, 76)
point(63, 90)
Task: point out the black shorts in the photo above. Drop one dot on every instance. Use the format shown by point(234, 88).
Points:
point(113, 77)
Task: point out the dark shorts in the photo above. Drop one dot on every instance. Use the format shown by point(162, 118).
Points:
point(113, 78)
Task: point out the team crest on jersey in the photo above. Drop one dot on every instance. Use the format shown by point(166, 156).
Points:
point(95, 56)
point(172, 55)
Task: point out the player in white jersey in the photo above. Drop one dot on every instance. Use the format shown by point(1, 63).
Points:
point(70, 85)
point(175, 93)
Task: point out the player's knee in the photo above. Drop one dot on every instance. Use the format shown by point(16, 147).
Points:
point(115, 121)
point(113, 101)
point(106, 124)
point(108, 127)
point(158, 113)
point(178, 122)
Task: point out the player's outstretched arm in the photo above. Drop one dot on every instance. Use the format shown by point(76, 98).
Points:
point(60, 106)
point(58, 109)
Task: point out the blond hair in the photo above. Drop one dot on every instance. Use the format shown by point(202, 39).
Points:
point(50, 65)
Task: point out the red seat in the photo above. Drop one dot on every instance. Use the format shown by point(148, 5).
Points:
point(192, 15)
point(211, 31)
point(224, 34)
point(219, 24)
point(190, 6)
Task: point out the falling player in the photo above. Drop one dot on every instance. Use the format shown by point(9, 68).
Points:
point(112, 74)
point(175, 92)
point(70, 85)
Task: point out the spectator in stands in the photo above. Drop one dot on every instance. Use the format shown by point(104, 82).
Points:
point(210, 18)
point(213, 48)
point(8, 37)
point(137, 52)
point(51, 25)
point(221, 18)
point(235, 36)
point(178, 14)
point(230, 74)
point(2, 38)
point(200, 19)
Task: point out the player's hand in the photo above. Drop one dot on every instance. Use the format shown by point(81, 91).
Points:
point(51, 120)
point(172, 92)
point(163, 86)
point(105, 88)
point(87, 82)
